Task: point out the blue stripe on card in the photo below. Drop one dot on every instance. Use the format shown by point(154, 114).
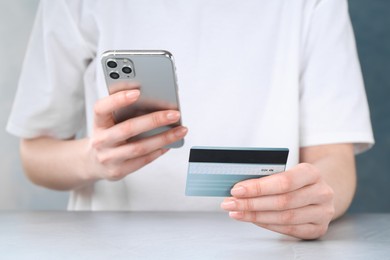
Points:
point(214, 185)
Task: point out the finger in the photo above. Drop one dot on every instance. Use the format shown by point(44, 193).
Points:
point(314, 214)
point(155, 142)
point(134, 126)
point(133, 165)
point(104, 107)
point(303, 231)
point(312, 194)
point(142, 147)
point(293, 179)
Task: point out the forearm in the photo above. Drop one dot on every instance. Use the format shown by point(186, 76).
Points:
point(106, 154)
point(55, 164)
point(337, 165)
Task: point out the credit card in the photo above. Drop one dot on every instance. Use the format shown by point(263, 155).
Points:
point(213, 171)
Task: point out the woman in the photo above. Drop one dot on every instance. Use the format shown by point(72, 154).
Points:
point(260, 74)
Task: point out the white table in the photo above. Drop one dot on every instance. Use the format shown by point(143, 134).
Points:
point(124, 235)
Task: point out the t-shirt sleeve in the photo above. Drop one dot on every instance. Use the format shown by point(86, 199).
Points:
point(333, 103)
point(50, 96)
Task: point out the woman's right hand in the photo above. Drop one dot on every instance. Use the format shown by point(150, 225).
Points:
point(110, 155)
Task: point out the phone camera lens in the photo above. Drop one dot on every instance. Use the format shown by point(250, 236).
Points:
point(127, 70)
point(112, 64)
point(114, 75)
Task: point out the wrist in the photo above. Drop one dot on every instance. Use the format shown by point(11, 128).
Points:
point(88, 171)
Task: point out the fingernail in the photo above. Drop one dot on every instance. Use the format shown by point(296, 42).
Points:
point(238, 191)
point(231, 204)
point(164, 150)
point(132, 94)
point(236, 214)
point(173, 115)
point(181, 131)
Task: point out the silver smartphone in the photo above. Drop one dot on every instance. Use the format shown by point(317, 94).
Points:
point(153, 73)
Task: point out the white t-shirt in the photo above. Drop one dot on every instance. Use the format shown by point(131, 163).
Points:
point(252, 73)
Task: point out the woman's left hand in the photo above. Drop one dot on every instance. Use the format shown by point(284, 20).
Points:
point(297, 202)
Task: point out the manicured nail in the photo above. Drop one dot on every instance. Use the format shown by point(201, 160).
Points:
point(231, 204)
point(173, 115)
point(132, 94)
point(181, 131)
point(164, 150)
point(238, 191)
point(236, 214)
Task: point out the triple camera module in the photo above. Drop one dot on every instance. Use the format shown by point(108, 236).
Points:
point(120, 68)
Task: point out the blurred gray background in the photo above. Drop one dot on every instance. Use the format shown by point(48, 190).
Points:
point(16, 192)
point(372, 28)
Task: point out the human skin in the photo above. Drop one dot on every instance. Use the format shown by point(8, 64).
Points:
point(106, 154)
point(302, 201)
